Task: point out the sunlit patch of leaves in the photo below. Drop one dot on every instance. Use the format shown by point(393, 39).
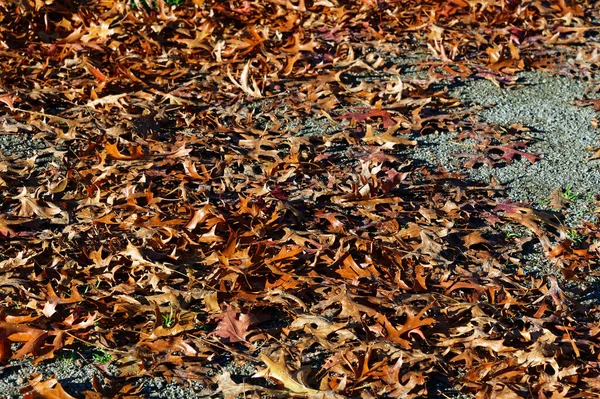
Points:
point(185, 220)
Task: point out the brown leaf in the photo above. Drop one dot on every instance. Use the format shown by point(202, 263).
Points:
point(370, 113)
point(100, 77)
point(5, 231)
point(532, 219)
point(350, 307)
point(387, 140)
point(316, 325)
point(429, 245)
point(230, 389)
point(587, 102)
point(557, 201)
point(31, 206)
point(596, 154)
point(233, 325)
point(413, 324)
point(474, 238)
point(203, 33)
point(33, 339)
point(49, 389)
point(540, 353)
point(351, 270)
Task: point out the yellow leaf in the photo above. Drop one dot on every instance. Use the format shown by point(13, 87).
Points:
point(385, 140)
point(280, 372)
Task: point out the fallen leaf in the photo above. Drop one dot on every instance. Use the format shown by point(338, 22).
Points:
point(233, 325)
point(230, 389)
point(48, 389)
point(557, 201)
point(279, 371)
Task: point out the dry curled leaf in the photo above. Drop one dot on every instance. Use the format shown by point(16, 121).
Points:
point(233, 325)
point(48, 389)
point(190, 182)
point(280, 372)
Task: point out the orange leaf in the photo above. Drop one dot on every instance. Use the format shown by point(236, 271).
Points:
point(10, 332)
point(49, 389)
point(474, 238)
point(385, 140)
point(135, 152)
point(100, 77)
point(8, 100)
point(354, 272)
point(413, 323)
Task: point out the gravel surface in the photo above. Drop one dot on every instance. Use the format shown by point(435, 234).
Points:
point(561, 132)
point(74, 374)
point(15, 139)
point(75, 371)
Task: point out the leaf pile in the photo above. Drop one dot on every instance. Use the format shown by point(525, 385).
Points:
point(184, 211)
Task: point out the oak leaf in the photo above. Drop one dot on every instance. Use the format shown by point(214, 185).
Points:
point(49, 389)
point(387, 140)
point(279, 371)
point(33, 339)
point(8, 100)
point(135, 152)
point(233, 325)
point(474, 238)
point(230, 389)
point(412, 324)
point(370, 113)
point(510, 150)
point(557, 201)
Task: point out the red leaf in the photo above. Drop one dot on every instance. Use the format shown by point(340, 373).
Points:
point(370, 113)
point(510, 151)
point(233, 325)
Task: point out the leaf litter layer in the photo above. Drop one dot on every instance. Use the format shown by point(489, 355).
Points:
point(179, 214)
